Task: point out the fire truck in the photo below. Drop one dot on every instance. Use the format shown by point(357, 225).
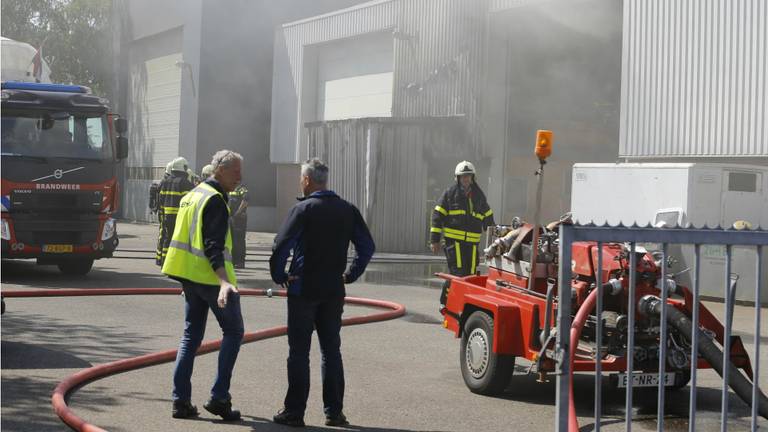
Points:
point(61, 146)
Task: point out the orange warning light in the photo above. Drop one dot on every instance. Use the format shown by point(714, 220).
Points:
point(543, 144)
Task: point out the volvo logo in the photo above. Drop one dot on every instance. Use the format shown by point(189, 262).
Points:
point(58, 173)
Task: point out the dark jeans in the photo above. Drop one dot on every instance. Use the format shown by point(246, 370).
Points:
point(199, 298)
point(459, 255)
point(304, 316)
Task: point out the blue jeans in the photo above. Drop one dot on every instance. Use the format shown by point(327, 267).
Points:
point(304, 316)
point(199, 298)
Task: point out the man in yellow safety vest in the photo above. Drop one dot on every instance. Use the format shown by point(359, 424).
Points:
point(200, 257)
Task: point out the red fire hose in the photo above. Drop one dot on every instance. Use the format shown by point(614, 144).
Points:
point(61, 391)
point(576, 328)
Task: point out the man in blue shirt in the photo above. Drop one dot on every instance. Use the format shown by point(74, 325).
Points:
point(318, 229)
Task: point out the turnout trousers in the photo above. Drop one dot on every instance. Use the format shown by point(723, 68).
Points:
point(462, 258)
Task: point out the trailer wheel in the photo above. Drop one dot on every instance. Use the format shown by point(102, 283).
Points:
point(682, 378)
point(484, 371)
point(78, 267)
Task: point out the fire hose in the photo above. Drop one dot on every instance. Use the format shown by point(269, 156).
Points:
point(65, 387)
point(578, 325)
point(651, 305)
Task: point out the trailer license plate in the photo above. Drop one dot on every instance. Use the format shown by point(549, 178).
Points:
point(650, 379)
point(57, 248)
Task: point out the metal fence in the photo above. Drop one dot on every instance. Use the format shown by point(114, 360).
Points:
point(728, 238)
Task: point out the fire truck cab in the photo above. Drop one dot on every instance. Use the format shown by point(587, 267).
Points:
point(61, 146)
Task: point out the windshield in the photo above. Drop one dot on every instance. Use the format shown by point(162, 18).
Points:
point(55, 134)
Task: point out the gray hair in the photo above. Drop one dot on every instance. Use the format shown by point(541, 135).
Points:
point(316, 170)
point(225, 158)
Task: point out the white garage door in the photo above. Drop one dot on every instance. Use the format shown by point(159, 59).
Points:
point(360, 96)
point(157, 98)
point(355, 78)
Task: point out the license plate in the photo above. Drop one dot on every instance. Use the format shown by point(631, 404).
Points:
point(650, 379)
point(57, 248)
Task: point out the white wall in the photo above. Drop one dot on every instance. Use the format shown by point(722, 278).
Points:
point(694, 79)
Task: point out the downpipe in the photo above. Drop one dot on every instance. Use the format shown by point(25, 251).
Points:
point(651, 306)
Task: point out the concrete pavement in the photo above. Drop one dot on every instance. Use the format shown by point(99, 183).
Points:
point(402, 375)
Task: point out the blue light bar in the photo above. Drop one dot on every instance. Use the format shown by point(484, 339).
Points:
point(19, 85)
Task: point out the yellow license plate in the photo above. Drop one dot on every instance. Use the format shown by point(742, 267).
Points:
point(57, 248)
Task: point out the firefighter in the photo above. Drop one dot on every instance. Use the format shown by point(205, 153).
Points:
point(174, 188)
point(238, 204)
point(206, 172)
point(159, 207)
point(193, 177)
point(460, 217)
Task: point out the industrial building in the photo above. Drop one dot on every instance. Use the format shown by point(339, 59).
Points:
point(474, 80)
point(193, 77)
point(393, 93)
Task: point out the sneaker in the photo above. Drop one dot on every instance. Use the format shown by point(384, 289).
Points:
point(222, 408)
point(285, 417)
point(184, 409)
point(337, 420)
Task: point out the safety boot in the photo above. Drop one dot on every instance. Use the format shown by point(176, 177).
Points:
point(222, 408)
point(337, 420)
point(288, 418)
point(184, 409)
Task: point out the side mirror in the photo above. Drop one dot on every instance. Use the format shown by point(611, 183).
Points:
point(122, 147)
point(121, 125)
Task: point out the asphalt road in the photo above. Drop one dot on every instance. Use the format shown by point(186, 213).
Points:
point(401, 375)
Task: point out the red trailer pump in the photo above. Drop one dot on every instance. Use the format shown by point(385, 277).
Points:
point(510, 312)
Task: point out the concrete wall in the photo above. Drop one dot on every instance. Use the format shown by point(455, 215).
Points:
point(287, 189)
point(235, 96)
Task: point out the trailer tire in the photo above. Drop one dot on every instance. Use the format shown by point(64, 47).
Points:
point(682, 378)
point(76, 267)
point(484, 371)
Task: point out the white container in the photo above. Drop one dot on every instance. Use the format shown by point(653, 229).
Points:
point(669, 194)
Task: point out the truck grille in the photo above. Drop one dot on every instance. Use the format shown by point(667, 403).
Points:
point(39, 232)
point(80, 201)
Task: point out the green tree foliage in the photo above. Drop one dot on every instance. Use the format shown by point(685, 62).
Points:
point(75, 35)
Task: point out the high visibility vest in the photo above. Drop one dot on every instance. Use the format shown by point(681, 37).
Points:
point(186, 253)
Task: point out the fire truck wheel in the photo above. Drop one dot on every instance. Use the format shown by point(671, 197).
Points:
point(77, 267)
point(484, 371)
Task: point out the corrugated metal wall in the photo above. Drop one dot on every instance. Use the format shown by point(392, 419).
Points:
point(290, 43)
point(439, 60)
point(382, 166)
point(694, 78)
point(500, 5)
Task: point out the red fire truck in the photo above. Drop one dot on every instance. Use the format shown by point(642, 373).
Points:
point(60, 149)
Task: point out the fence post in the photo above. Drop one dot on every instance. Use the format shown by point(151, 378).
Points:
point(563, 327)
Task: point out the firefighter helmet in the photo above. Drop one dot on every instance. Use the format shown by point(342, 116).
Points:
point(179, 164)
point(207, 171)
point(465, 167)
point(192, 176)
point(168, 167)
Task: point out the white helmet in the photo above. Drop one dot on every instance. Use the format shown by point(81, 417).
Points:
point(179, 164)
point(465, 167)
point(207, 171)
point(168, 167)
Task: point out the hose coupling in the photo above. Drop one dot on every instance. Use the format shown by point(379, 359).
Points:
point(649, 305)
point(613, 286)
